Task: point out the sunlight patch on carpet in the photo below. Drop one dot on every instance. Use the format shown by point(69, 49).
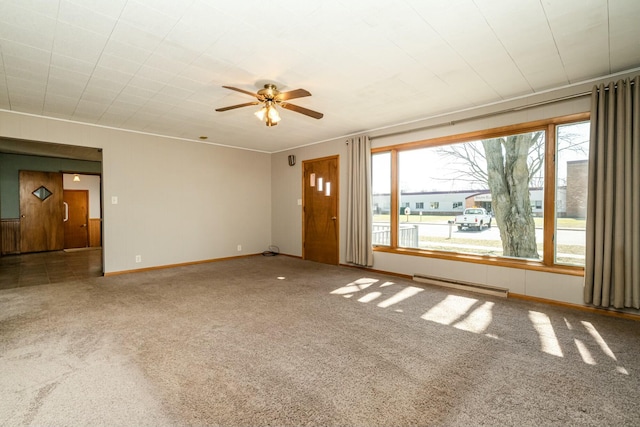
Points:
point(407, 292)
point(449, 310)
point(478, 320)
point(548, 339)
point(356, 286)
point(584, 352)
point(603, 344)
point(370, 297)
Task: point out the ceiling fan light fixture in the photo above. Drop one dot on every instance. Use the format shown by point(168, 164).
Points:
point(261, 114)
point(268, 114)
point(273, 114)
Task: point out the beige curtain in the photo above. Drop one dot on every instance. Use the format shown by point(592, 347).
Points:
point(612, 272)
point(359, 215)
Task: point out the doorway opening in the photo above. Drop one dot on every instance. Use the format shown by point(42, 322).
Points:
point(37, 220)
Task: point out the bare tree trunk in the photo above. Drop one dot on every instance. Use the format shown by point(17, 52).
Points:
point(509, 185)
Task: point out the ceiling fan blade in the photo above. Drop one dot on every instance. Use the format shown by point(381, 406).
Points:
point(292, 94)
point(246, 104)
point(302, 110)
point(255, 95)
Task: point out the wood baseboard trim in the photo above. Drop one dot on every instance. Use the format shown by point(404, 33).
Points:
point(182, 264)
point(373, 270)
point(291, 256)
point(602, 311)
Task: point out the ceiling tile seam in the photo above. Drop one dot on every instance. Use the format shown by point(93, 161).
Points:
point(132, 77)
point(458, 54)
point(4, 73)
point(53, 39)
point(172, 108)
point(504, 47)
point(97, 62)
point(142, 65)
point(157, 135)
point(555, 42)
point(416, 59)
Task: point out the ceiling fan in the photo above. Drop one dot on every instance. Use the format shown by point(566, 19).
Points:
point(270, 97)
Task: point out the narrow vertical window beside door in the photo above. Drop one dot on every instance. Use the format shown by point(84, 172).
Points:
point(572, 170)
point(381, 193)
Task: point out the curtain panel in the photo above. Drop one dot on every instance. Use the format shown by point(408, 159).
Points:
point(359, 215)
point(612, 271)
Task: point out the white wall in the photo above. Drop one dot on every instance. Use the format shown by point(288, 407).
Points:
point(178, 201)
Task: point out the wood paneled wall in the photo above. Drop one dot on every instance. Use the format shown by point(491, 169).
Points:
point(10, 235)
point(95, 232)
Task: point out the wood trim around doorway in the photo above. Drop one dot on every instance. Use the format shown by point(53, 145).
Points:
point(95, 232)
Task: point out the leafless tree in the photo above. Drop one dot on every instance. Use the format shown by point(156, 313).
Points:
point(508, 166)
point(509, 174)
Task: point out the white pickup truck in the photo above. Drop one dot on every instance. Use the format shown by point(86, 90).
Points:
point(473, 218)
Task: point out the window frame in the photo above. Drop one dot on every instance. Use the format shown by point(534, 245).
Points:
point(547, 263)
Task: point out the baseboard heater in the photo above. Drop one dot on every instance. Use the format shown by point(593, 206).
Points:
point(457, 284)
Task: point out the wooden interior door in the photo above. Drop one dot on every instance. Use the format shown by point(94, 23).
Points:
point(76, 219)
point(41, 211)
point(320, 210)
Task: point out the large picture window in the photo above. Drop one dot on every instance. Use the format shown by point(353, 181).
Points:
point(513, 195)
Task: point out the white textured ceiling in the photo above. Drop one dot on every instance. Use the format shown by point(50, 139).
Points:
point(158, 66)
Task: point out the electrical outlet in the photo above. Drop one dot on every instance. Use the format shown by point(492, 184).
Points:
point(114, 200)
point(138, 258)
point(239, 248)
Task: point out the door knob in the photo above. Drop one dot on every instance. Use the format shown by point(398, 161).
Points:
point(333, 218)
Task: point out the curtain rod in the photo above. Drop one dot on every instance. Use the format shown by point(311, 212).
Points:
point(484, 116)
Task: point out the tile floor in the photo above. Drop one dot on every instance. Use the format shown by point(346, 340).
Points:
point(49, 267)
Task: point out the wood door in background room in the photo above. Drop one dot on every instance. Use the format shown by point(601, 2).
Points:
point(76, 219)
point(320, 210)
point(41, 211)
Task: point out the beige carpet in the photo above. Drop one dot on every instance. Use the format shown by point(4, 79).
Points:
point(280, 341)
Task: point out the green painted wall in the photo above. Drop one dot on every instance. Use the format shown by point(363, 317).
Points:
point(11, 164)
